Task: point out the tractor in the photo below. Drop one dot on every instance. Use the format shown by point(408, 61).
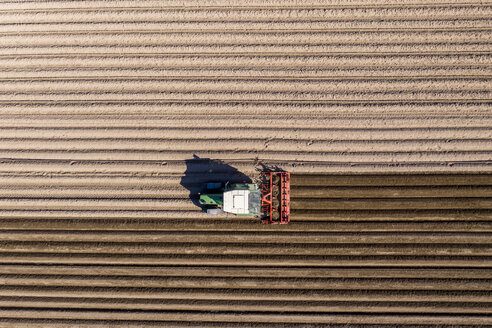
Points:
point(269, 200)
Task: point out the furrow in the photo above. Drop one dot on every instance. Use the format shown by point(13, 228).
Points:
point(250, 55)
point(126, 222)
point(278, 72)
point(274, 295)
point(439, 22)
point(482, 145)
point(156, 192)
point(145, 78)
point(245, 14)
point(111, 132)
point(243, 283)
point(267, 31)
point(272, 237)
point(235, 272)
point(342, 158)
point(309, 123)
point(236, 61)
point(243, 306)
point(232, 87)
point(245, 317)
point(224, 260)
point(169, 249)
point(367, 114)
point(128, 219)
point(97, 5)
point(390, 192)
point(391, 180)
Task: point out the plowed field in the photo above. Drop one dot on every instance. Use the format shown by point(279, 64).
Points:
point(114, 112)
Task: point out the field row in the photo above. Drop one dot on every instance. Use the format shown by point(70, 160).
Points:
point(243, 14)
point(408, 22)
point(252, 86)
point(287, 74)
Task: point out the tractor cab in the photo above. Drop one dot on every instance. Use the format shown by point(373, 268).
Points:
point(269, 200)
point(242, 201)
point(239, 199)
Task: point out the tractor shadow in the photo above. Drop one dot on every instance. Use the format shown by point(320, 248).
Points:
point(260, 167)
point(202, 170)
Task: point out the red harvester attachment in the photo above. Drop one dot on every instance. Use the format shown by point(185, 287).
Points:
point(275, 197)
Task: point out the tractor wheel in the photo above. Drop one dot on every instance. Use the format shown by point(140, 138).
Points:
point(214, 211)
point(214, 185)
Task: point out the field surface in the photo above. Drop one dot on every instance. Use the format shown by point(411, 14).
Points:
point(114, 112)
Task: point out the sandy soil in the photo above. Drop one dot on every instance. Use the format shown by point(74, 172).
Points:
point(104, 105)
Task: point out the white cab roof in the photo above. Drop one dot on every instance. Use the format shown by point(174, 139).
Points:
point(236, 201)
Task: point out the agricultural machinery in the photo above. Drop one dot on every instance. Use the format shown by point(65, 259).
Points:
point(269, 199)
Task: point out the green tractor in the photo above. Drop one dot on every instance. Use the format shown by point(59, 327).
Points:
point(269, 200)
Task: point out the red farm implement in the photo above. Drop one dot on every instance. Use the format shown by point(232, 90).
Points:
point(275, 197)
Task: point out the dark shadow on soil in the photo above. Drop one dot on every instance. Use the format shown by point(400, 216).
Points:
point(260, 167)
point(203, 170)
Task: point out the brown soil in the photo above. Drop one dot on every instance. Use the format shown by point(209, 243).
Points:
point(104, 104)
